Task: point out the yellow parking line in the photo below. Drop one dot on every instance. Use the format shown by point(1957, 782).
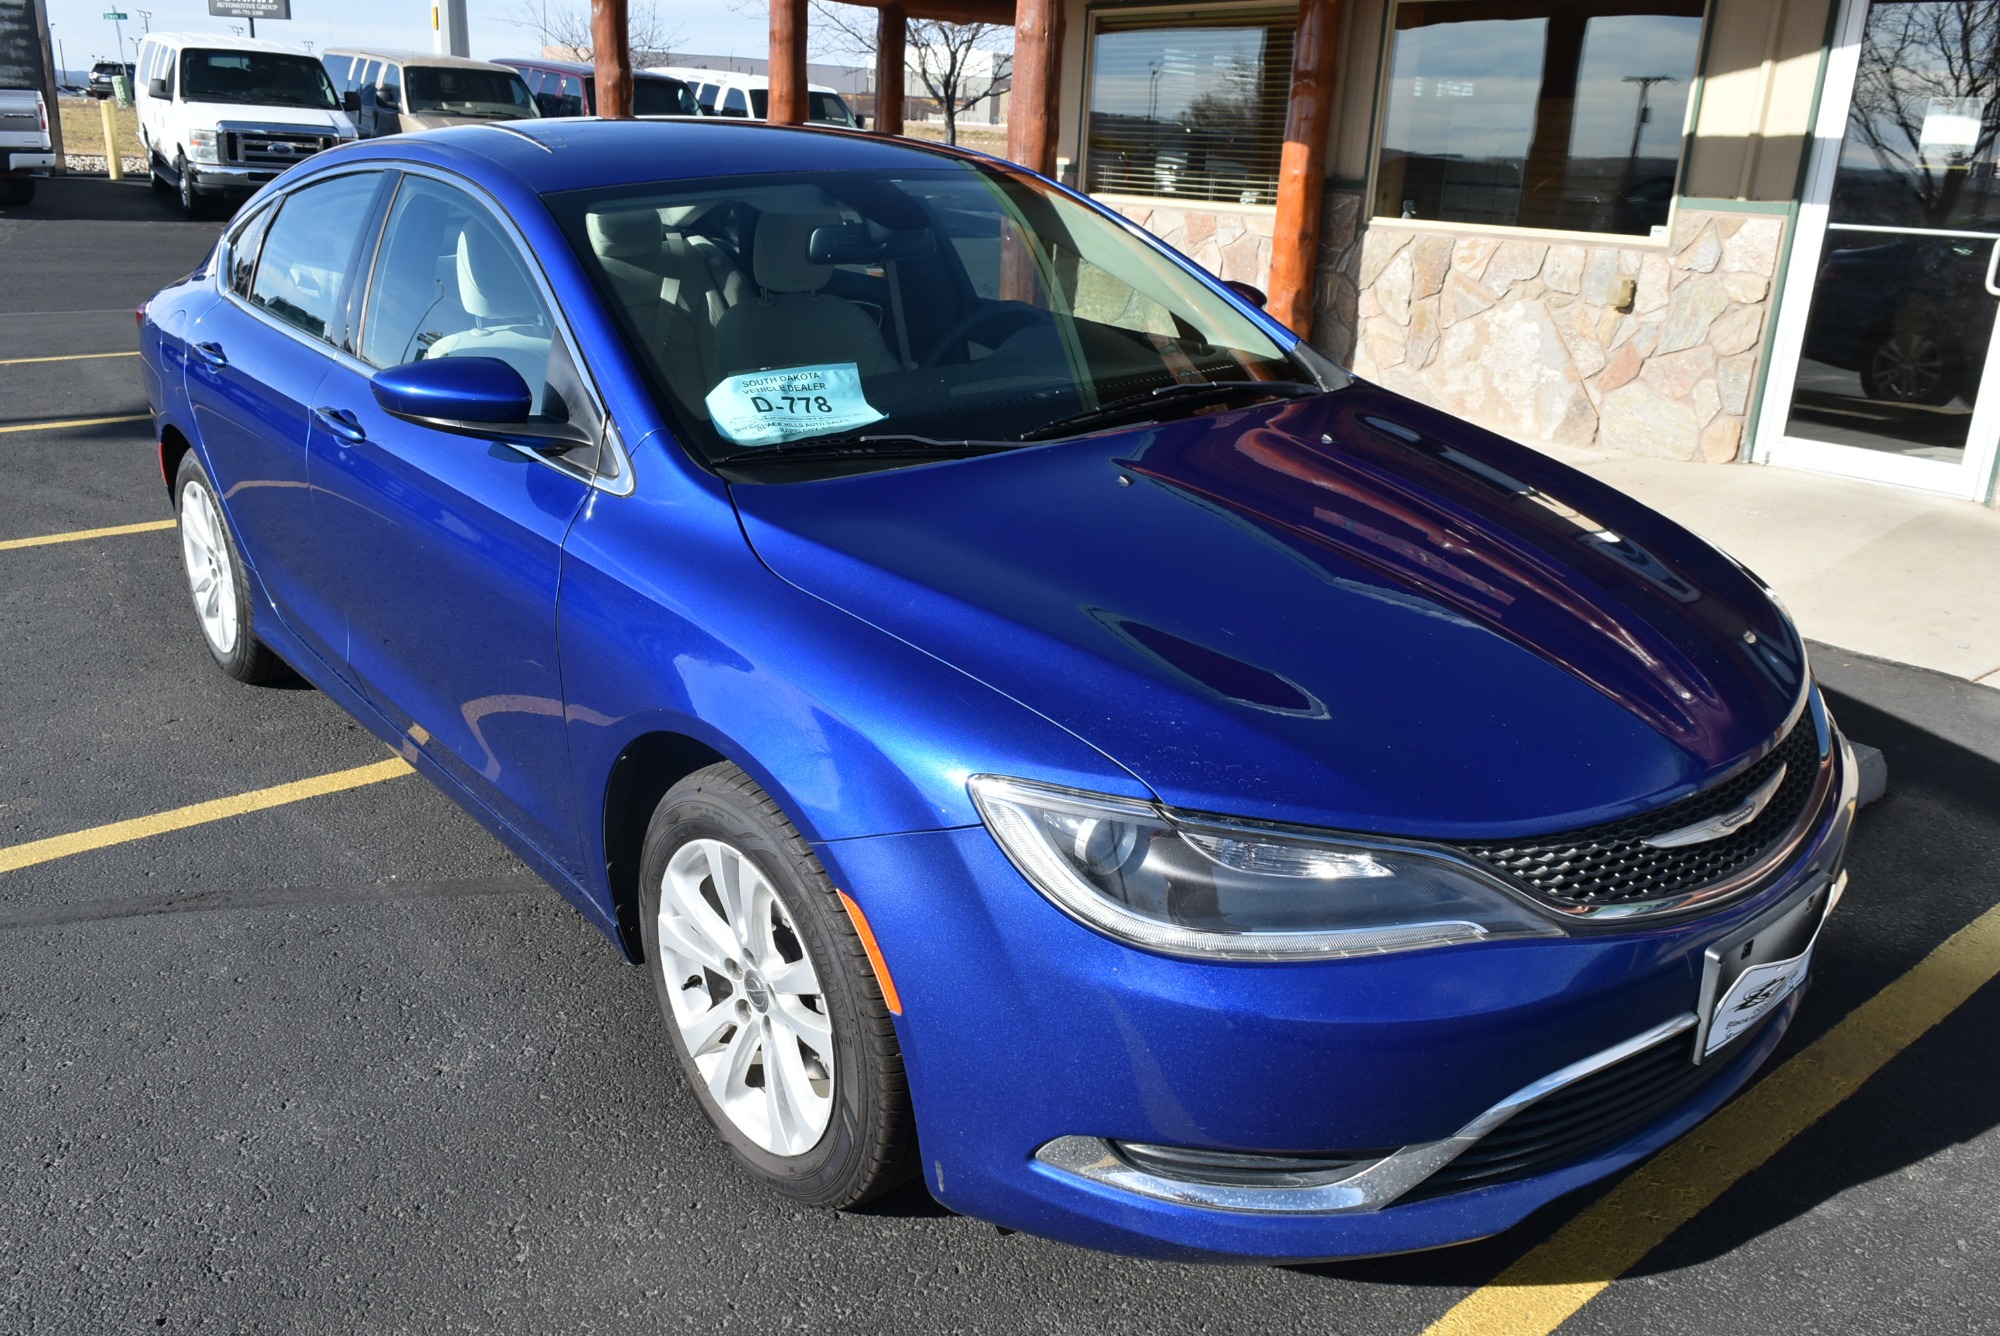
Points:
point(76, 422)
point(180, 818)
point(1545, 1288)
point(77, 536)
point(69, 357)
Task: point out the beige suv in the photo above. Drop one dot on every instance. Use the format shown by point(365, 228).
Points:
point(389, 92)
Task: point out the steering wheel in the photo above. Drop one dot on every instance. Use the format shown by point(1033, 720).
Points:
point(962, 330)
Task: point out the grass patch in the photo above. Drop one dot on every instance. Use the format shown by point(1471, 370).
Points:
point(83, 128)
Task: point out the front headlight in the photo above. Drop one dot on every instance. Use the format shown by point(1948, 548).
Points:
point(1193, 888)
point(204, 146)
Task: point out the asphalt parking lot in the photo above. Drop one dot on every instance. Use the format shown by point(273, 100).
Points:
point(326, 1058)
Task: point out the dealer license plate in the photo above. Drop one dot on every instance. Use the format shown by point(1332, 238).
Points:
point(1745, 976)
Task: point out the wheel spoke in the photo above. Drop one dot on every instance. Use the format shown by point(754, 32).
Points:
point(700, 1032)
point(726, 1077)
point(794, 976)
point(785, 1075)
point(688, 938)
point(809, 1024)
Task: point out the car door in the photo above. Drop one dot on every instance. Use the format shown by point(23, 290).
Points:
point(255, 362)
point(445, 549)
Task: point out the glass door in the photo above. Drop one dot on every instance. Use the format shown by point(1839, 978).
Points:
point(1883, 363)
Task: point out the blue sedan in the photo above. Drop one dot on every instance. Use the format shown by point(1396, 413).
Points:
point(1044, 728)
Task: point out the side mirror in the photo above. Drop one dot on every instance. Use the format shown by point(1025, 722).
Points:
point(471, 396)
point(156, 87)
point(1249, 292)
point(349, 103)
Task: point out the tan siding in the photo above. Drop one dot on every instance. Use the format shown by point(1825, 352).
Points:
point(1756, 101)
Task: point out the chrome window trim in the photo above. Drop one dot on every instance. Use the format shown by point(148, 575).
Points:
point(1351, 1191)
point(623, 484)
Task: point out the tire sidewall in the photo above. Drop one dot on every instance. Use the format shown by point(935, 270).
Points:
point(823, 1172)
point(240, 661)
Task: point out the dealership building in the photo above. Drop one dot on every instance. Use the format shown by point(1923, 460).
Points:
point(1738, 230)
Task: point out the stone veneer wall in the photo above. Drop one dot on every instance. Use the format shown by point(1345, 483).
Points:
point(1229, 243)
point(1526, 338)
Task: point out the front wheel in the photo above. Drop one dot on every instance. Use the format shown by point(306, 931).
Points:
point(1910, 367)
point(192, 203)
point(218, 583)
point(776, 1017)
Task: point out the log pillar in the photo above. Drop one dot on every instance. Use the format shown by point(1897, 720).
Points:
point(1302, 168)
point(892, 42)
point(788, 63)
point(611, 52)
point(1037, 85)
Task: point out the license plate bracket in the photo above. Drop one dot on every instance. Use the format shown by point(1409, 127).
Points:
point(1747, 974)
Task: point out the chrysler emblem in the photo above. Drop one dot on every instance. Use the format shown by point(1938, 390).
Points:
point(1715, 827)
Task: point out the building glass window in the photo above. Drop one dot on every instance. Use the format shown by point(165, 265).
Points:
point(1189, 108)
point(1563, 114)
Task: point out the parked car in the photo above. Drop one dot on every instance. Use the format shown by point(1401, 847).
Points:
point(391, 92)
point(219, 115)
point(102, 80)
point(1043, 727)
point(26, 152)
point(1910, 316)
point(748, 96)
point(569, 88)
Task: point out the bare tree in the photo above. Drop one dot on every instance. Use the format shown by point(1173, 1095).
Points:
point(1914, 58)
point(958, 65)
point(563, 29)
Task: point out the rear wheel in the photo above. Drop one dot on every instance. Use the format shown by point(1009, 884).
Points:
point(774, 1012)
point(17, 189)
point(218, 583)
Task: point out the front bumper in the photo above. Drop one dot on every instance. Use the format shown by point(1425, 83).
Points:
point(216, 179)
point(38, 163)
point(1023, 1029)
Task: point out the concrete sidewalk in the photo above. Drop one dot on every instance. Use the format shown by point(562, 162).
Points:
point(1896, 574)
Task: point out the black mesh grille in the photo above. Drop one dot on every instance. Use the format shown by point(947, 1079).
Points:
point(1584, 1117)
point(1612, 864)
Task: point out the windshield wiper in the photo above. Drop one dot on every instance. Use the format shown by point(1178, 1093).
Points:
point(849, 447)
point(1138, 407)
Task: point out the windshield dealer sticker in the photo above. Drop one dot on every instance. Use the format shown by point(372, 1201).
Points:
point(771, 407)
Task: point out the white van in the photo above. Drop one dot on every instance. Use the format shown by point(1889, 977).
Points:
point(726, 93)
point(221, 115)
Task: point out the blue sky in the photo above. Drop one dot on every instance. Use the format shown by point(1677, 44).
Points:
point(710, 28)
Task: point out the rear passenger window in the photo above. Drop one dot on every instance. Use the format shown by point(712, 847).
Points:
point(734, 104)
point(243, 250)
point(310, 251)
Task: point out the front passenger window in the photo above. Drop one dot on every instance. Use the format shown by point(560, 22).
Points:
point(312, 247)
point(450, 283)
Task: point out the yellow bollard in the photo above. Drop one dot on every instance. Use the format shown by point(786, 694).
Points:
point(113, 163)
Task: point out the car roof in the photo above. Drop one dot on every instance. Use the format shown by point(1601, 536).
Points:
point(580, 152)
point(413, 57)
point(222, 41)
point(573, 67)
point(730, 78)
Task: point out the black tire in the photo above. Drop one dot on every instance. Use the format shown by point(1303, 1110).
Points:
point(869, 1145)
point(17, 189)
point(192, 202)
point(156, 178)
point(1910, 366)
point(244, 657)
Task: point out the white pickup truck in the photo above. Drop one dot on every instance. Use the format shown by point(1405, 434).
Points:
point(25, 150)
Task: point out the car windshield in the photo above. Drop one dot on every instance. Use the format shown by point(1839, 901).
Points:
point(825, 108)
point(263, 78)
point(449, 91)
point(662, 97)
point(962, 305)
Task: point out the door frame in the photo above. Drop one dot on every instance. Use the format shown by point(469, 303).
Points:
point(1973, 476)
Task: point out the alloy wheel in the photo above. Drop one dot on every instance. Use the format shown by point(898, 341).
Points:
point(211, 575)
point(746, 997)
point(1908, 368)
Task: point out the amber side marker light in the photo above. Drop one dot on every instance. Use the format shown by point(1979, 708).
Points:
point(890, 997)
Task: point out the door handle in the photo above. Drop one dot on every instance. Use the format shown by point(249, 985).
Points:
point(1993, 263)
point(212, 354)
point(342, 424)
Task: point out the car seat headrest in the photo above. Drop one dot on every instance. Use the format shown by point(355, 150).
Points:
point(490, 282)
point(624, 234)
point(780, 256)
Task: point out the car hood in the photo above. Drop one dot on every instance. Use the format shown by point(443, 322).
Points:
point(1347, 611)
point(303, 118)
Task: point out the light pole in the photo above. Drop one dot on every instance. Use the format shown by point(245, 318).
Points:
point(1644, 113)
point(146, 17)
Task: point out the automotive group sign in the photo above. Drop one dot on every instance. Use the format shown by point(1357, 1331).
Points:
point(250, 9)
